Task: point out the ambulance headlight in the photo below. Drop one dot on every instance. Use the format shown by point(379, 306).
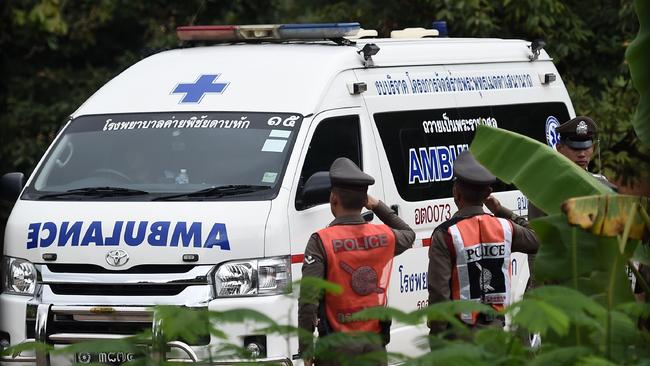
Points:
point(266, 276)
point(19, 276)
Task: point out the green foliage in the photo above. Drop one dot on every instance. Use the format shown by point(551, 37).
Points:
point(453, 353)
point(594, 361)
point(639, 58)
point(593, 265)
point(447, 311)
point(575, 261)
point(187, 324)
point(505, 348)
point(539, 317)
point(561, 356)
point(556, 312)
point(312, 289)
point(27, 346)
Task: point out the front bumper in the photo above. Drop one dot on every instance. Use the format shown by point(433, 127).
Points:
point(160, 350)
point(58, 318)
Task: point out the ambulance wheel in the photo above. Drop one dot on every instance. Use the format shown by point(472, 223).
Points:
point(111, 173)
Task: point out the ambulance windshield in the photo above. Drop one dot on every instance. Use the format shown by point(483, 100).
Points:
point(173, 156)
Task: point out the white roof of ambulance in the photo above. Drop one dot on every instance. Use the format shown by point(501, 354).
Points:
point(277, 77)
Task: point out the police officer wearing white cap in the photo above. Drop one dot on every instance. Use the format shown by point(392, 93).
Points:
point(357, 256)
point(469, 256)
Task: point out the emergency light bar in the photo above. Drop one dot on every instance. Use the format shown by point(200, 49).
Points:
point(261, 32)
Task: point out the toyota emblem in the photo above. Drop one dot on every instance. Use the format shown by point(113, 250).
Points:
point(117, 258)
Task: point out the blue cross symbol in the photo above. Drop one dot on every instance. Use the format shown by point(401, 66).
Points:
point(194, 92)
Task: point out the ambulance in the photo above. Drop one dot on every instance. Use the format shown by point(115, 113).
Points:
point(182, 180)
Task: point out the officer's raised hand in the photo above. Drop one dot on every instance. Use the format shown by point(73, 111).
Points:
point(372, 203)
point(498, 210)
point(492, 203)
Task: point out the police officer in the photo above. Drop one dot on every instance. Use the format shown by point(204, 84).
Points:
point(577, 144)
point(469, 256)
point(357, 256)
point(576, 140)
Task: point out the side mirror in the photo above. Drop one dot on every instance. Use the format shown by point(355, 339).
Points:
point(317, 189)
point(10, 186)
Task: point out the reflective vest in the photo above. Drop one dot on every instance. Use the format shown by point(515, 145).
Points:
point(481, 248)
point(359, 259)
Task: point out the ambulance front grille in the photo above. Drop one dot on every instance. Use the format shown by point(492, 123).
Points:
point(145, 268)
point(71, 324)
point(62, 284)
point(66, 323)
point(118, 290)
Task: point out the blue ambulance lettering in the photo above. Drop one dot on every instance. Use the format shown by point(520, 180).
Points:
point(187, 235)
point(433, 164)
point(131, 233)
point(412, 282)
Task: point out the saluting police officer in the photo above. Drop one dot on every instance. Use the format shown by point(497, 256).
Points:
point(357, 256)
point(469, 256)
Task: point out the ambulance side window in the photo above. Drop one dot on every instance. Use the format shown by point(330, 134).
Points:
point(334, 138)
point(422, 145)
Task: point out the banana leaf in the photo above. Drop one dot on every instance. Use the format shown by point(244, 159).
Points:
point(607, 215)
point(638, 57)
point(546, 177)
point(578, 259)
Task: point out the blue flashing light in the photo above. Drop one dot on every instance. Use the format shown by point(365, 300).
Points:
point(318, 30)
point(441, 27)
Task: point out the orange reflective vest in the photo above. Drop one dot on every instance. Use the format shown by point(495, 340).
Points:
point(359, 258)
point(481, 248)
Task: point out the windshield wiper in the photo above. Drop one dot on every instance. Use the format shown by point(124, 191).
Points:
point(216, 192)
point(96, 192)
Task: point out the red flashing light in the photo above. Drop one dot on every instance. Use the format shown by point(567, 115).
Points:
point(207, 33)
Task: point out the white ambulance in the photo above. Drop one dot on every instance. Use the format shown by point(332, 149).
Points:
point(181, 180)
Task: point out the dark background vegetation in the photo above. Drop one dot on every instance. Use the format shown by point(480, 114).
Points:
point(55, 53)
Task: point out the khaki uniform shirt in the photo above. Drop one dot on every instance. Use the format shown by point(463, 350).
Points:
point(315, 263)
point(440, 264)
